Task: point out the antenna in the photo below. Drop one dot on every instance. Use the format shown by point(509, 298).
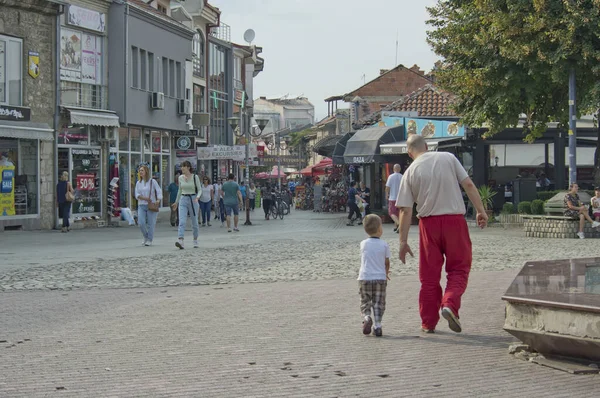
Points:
point(249, 36)
point(396, 64)
point(364, 78)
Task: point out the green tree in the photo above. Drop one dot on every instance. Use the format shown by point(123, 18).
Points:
point(506, 58)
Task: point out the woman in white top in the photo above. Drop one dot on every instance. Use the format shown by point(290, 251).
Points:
point(187, 202)
point(205, 200)
point(252, 196)
point(147, 190)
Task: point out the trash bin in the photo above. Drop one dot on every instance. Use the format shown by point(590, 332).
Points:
point(524, 190)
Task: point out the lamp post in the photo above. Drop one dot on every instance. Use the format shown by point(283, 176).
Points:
point(237, 125)
point(277, 143)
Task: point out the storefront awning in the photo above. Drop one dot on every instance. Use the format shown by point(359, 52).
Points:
point(340, 148)
point(400, 148)
point(26, 130)
point(94, 118)
point(364, 145)
point(325, 146)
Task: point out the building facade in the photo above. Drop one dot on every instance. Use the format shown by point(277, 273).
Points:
point(27, 108)
point(284, 113)
point(150, 58)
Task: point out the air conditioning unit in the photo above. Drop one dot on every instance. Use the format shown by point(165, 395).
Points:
point(183, 107)
point(201, 119)
point(157, 101)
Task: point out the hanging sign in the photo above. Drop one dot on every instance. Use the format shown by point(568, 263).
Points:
point(34, 64)
point(87, 19)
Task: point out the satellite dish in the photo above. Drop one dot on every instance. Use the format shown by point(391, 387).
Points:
point(249, 36)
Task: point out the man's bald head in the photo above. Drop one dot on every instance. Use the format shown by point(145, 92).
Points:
point(416, 145)
point(397, 168)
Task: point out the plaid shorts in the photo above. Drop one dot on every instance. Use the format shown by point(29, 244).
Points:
point(372, 295)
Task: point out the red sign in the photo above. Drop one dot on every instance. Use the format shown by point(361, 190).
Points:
point(86, 182)
point(261, 151)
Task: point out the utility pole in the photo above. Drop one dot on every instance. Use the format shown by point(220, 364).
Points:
point(572, 128)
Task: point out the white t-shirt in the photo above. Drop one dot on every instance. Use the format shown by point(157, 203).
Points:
point(432, 181)
point(373, 252)
point(595, 209)
point(206, 190)
point(393, 182)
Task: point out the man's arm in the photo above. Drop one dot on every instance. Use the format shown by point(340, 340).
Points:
point(405, 219)
point(474, 197)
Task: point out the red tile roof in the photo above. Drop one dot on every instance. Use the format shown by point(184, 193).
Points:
point(428, 101)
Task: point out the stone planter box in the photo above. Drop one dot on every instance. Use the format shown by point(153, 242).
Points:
point(555, 227)
point(511, 218)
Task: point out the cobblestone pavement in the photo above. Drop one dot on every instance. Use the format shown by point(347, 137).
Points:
point(284, 339)
point(303, 246)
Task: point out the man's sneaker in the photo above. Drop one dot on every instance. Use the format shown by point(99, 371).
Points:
point(236, 230)
point(229, 230)
point(179, 244)
point(581, 235)
point(453, 322)
point(425, 330)
point(595, 224)
point(360, 222)
point(350, 224)
point(378, 332)
point(196, 244)
point(367, 325)
point(148, 243)
point(143, 243)
point(209, 225)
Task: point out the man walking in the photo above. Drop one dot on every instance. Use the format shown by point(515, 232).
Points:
point(432, 181)
point(173, 191)
point(391, 190)
point(231, 199)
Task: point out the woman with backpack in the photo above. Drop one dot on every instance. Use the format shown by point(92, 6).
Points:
point(187, 202)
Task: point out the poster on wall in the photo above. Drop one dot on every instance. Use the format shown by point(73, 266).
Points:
point(2, 72)
point(70, 55)
point(7, 189)
point(88, 55)
point(183, 155)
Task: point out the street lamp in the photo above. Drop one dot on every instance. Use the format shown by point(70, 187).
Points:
point(283, 145)
point(237, 125)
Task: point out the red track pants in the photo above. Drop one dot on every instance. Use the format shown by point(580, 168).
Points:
point(442, 236)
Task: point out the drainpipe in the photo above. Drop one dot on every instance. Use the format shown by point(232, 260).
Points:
point(61, 11)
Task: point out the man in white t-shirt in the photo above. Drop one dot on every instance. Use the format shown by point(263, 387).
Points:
point(391, 190)
point(432, 181)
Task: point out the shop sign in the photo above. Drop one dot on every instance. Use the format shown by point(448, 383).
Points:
point(7, 190)
point(87, 19)
point(86, 152)
point(184, 143)
point(186, 133)
point(80, 57)
point(86, 182)
point(34, 64)
point(238, 97)
point(261, 151)
point(223, 152)
point(16, 113)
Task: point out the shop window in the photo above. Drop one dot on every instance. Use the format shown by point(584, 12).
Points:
point(124, 139)
point(95, 132)
point(77, 135)
point(85, 177)
point(166, 142)
point(19, 173)
point(135, 140)
point(11, 75)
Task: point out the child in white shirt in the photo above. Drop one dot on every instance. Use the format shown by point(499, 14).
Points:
point(373, 274)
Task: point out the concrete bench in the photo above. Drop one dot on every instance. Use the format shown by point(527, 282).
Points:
point(555, 227)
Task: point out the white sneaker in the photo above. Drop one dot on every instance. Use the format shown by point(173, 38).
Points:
point(196, 244)
point(179, 244)
point(581, 235)
point(144, 242)
point(148, 243)
point(595, 224)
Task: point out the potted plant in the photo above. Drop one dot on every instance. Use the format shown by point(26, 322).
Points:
point(487, 194)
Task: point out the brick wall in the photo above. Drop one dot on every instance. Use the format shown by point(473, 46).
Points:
point(556, 228)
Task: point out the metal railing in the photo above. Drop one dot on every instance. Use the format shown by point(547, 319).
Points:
point(222, 32)
point(82, 95)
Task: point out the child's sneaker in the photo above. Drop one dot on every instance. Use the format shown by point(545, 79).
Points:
point(367, 325)
point(378, 332)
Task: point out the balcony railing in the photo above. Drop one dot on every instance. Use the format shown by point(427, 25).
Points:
point(83, 95)
point(222, 32)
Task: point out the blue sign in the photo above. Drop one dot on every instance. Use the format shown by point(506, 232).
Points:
point(428, 128)
point(7, 181)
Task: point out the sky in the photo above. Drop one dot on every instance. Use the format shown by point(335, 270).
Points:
point(321, 48)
